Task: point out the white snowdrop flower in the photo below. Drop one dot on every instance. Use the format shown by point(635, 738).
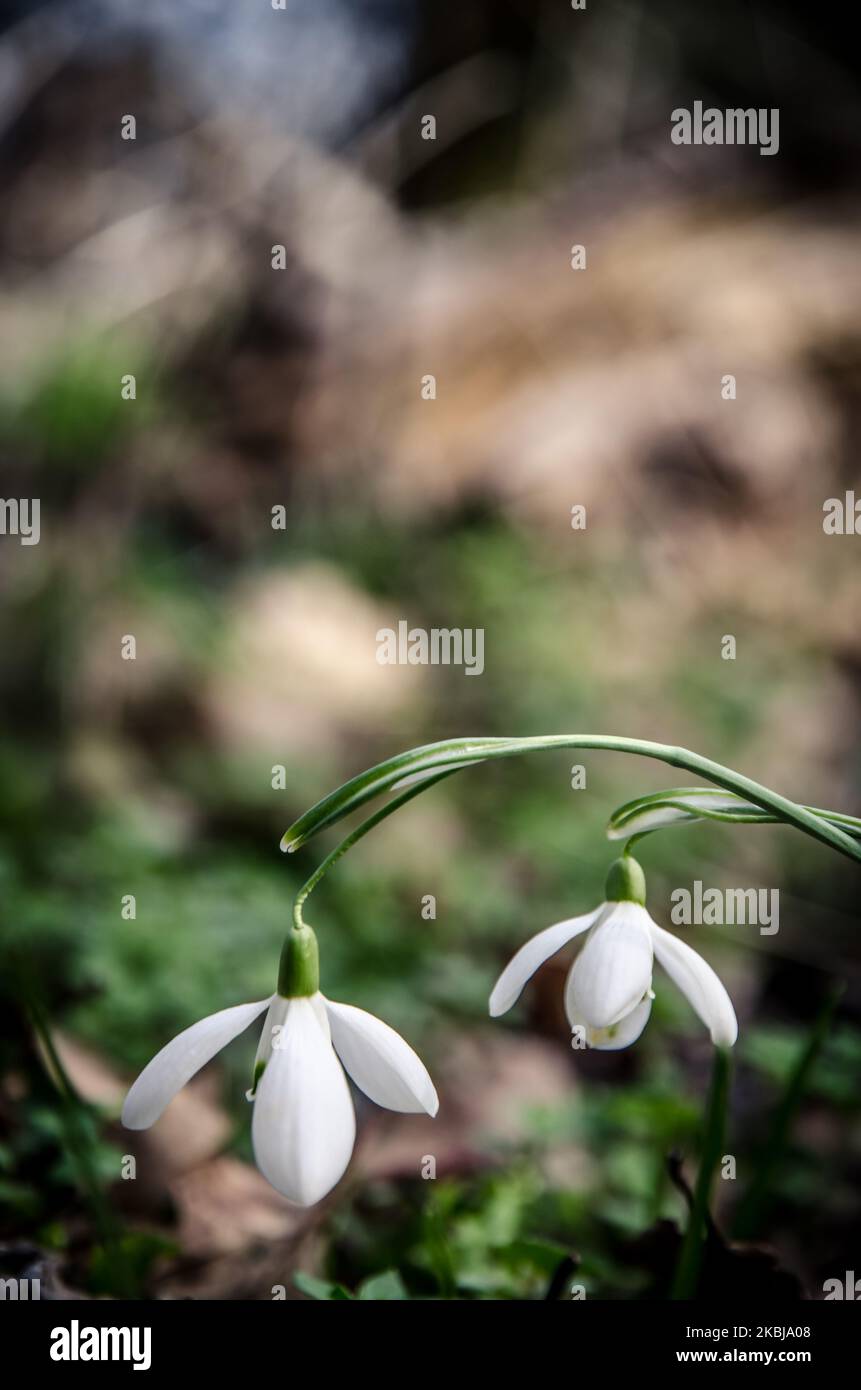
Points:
point(608, 992)
point(304, 1124)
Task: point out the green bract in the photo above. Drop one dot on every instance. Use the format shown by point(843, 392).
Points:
point(626, 882)
point(299, 971)
point(687, 805)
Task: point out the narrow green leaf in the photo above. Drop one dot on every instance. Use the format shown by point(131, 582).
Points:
point(758, 1196)
point(691, 1253)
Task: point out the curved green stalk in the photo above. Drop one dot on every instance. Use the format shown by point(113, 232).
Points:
point(434, 760)
point(362, 830)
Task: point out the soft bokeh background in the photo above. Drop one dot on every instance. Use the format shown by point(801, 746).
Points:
point(256, 648)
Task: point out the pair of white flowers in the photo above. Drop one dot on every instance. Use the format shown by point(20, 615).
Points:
point(304, 1124)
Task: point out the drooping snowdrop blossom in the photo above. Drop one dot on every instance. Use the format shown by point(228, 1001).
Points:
point(304, 1124)
point(608, 992)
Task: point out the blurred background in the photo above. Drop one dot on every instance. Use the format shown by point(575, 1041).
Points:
point(300, 388)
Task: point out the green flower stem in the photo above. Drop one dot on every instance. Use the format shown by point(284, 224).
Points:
point(759, 1195)
point(362, 830)
point(434, 760)
point(690, 1256)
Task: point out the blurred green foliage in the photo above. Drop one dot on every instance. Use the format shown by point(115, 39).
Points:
point(520, 849)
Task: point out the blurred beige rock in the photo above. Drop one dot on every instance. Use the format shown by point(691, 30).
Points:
point(300, 665)
point(487, 1081)
point(224, 1206)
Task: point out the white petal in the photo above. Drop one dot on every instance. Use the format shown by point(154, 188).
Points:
point(699, 984)
point(273, 1027)
point(178, 1061)
point(535, 952)
point(269, 1035)
point(380, 1062)
point(614, 969)
point(620, 1034)
point(304, 1124)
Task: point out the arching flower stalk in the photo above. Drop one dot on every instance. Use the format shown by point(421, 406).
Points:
point(608, 993)
point(304, 1123)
